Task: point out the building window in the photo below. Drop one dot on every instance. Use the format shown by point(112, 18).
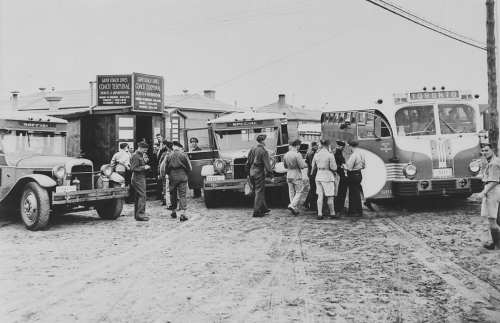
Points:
point(175, 122)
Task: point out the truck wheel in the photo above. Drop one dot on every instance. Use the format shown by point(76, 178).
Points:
point(110, 209)
point(284, 197)
point(35, 206)
point(209, 197)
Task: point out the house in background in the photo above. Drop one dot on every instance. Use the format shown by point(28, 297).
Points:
point(294, 115)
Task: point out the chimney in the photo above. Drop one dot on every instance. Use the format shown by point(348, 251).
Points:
point(281, 101)
point(185, 92)
point(210, 94)
point(42, 89)
point(53, 98)
point(14, 100)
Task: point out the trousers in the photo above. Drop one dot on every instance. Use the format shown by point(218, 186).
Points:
point(258, 180)
point(339, 201)
point(138, 183)
point(178, 184)
point(355, 192)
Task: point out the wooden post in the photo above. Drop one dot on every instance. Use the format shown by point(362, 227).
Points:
point(492, 73)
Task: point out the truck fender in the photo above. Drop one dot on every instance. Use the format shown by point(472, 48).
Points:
point(117, 178)
point(42, 180)
point(207, 170)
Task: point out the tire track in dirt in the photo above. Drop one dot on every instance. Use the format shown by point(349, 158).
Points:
point(452, 273)
point(22, 310)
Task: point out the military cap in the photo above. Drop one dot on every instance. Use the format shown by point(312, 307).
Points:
point(296, 142)
point(340, 143)
point(142, 144)
point(314, 144)
point(353, 143)
point(178, 144)
point(261, 138)
point(193, 139)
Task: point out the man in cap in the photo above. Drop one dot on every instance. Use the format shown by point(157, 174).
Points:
point(294, 164)
point(177, 166)
point(194, 144)
point(355, 164)
point(258, 166)
point(138, 168)
point(324, 165)
point(311, 198)
point(342, 185)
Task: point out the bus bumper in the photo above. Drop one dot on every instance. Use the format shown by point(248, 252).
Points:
point(239, 184)
point(89, 195)
point(437, 186)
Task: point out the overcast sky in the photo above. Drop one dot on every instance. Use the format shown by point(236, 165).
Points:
point(315, 52)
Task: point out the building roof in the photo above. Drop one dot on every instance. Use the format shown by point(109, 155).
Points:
point(291, 112)
point(80, 99)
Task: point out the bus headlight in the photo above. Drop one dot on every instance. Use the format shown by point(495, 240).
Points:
point(474, 168)
point(273, 163)
point(219, 166)
point(106, 170)
point(58, 172)
point(410, 171)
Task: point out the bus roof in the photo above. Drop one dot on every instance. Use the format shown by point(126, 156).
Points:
point(29, 116)
point(247, 116)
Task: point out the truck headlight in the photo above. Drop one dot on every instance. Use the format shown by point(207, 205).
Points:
point(58, 172)
point(106, 170)
point(219, 166)
point(410, 171)
point(474, 168)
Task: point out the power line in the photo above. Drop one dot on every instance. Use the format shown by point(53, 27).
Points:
point(424, 23)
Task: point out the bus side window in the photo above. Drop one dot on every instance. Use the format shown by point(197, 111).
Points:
point(284, 133)
point(366, 125)
point(384, 128)
point(341, 118)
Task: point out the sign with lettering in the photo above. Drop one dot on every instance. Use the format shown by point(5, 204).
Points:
point(33, 124)
point(148, 93)
point(114, 90)
point(439, 95)
point(244, 123)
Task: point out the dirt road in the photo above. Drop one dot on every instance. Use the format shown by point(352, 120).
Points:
point(424, 264)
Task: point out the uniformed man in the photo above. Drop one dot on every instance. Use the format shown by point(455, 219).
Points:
point(258, 166)
point(324, 165)
point(294, 163)
point(311, 198)
point(355, 164)
point(342, 185)
point(491, 195)
point(138, 167)
point(194, 144)
point(177, 166)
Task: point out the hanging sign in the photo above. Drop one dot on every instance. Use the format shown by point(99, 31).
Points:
point(148, 93)
point(114, 90)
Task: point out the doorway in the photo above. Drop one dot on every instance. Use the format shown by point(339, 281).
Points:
point(144, 132)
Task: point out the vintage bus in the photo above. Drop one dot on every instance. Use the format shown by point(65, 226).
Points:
point(420, 143)
point(221, 167)
point(308, 133)
point(37, 177)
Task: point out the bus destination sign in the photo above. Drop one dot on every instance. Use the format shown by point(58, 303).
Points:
point(244, 123)
point(422, 96)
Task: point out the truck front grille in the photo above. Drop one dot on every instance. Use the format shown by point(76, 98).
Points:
point(84, 175)
point(239, 168)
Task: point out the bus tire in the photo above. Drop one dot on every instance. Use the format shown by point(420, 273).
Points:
point(284, 196)
point(209, 197)
point(35, 206)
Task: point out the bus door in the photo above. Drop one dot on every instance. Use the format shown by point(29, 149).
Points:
point(205, 153)
point(376, 141)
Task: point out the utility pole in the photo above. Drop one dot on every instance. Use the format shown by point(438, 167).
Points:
point(491, 61)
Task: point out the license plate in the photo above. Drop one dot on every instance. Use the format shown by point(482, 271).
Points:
point(64, 189)
point(216, 178)
point(442, 172)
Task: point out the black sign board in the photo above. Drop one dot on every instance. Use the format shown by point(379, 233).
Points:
point(114, 90)
point(244, 123)
point(148, 93)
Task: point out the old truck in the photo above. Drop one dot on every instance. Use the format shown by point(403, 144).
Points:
point(38, 178)
point(220, 165)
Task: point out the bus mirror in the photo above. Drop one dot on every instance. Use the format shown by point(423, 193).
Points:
point(378, 127)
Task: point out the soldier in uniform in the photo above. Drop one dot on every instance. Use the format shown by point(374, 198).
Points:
point(324, 165)
point(355, 164)
point(491, 195)
point(177, 166)
point(138, 168)
point(258, 166)
point(342, 185)
point(194, 144)
point(294, 163)
point(311, 198)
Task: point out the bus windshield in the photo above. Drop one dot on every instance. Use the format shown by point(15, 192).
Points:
point(457, 118)
point(19, 143)
point(416, 121)
point(245, 138)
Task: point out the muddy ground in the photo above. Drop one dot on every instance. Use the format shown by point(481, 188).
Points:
point(420, 262)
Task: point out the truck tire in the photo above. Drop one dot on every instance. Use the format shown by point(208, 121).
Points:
point(110, 209)
point(209, 196)
point(35, 206)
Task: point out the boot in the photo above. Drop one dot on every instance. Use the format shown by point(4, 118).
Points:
point(495, 234)
point(183, 218)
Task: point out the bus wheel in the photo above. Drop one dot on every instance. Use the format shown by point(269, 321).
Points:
point(209, 196)
point(35, 206)
point(284, 197)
